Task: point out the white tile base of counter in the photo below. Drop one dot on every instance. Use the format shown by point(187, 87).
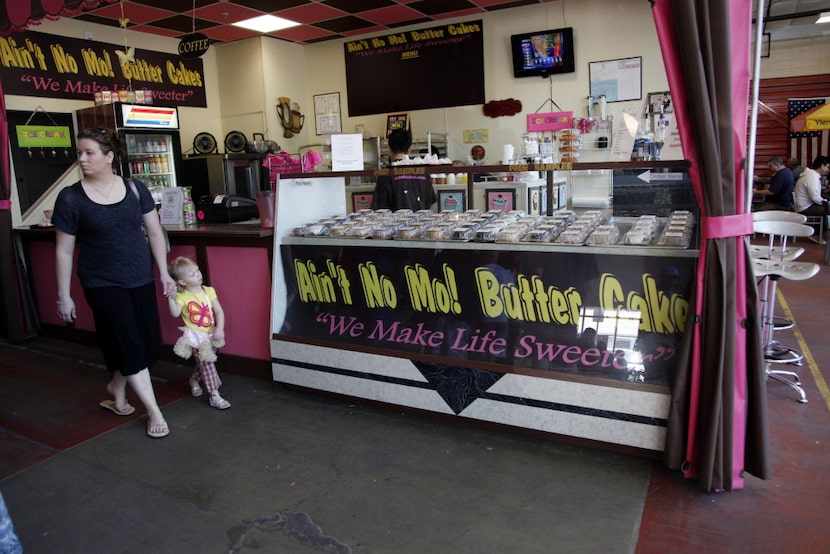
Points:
point(614, 415)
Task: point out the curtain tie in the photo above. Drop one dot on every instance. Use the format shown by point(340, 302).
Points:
point(724, 226)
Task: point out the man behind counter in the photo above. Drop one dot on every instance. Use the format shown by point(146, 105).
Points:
point(397, 192)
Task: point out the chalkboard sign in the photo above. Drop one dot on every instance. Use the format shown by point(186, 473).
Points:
point(37, 166)
point(414, 70)
point(396, 121)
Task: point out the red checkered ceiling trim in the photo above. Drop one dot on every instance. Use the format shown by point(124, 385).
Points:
point(319, 20)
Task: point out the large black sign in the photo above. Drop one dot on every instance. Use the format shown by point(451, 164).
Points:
point(414, 70)
point(613, 316)
point(37, 64)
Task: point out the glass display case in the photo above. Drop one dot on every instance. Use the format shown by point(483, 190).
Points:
point(575, 338)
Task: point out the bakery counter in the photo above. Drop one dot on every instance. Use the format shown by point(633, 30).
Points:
point(615, 250)
point(579, 342)
point(235, 258)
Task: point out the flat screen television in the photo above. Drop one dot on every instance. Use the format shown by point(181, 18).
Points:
point(543, 53)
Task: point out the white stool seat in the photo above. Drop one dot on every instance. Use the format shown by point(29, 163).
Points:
point(765, 252)
point(780, 227)
point(779, 215)
point(794, 271)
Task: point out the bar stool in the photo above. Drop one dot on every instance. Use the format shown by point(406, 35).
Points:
point(775, 268)
point(769, 251)
point(777, 248)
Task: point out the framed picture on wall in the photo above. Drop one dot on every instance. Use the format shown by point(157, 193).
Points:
point(501, 199)
point(534, 201)
point(453, 200)
point(618, 80)
point(362, 201)
point(558, 200)
point(660, 102)
point(327, 113)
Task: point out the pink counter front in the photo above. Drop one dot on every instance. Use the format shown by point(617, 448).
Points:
point(236, 259)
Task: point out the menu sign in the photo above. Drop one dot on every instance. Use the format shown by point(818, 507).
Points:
point(413, 70)
point(37, 64)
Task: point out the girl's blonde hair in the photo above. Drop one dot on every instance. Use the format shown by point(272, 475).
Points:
point(177, 267)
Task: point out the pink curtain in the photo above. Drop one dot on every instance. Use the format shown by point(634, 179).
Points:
point(717, 422)
point(18, 315)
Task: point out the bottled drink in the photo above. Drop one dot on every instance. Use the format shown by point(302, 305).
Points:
point(642, 140)
point(659, 138)
point(188, 207)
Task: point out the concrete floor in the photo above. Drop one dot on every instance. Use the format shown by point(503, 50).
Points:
point(287, 471)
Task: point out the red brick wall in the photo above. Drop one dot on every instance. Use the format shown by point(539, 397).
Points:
point(772, 114)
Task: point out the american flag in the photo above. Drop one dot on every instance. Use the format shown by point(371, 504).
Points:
point(806, 145)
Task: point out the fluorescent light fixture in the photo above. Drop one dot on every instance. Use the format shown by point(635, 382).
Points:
point(266, 23)
point(824, 18)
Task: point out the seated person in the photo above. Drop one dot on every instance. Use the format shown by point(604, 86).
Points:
point(795, 166)
point(405, 191)
point(779, 194)
point(807, 196)
point(808, 200)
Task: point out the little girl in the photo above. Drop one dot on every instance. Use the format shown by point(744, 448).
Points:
point(204, 327)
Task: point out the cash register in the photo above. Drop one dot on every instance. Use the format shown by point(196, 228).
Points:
point(227, 208)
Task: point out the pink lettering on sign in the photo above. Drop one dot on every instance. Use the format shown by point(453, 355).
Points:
point(549, 121)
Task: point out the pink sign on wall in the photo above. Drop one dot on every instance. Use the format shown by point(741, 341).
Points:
point(549, 121)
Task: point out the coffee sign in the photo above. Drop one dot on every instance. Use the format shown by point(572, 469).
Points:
point(193, 45)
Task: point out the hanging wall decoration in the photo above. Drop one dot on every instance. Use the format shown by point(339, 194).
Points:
point(195, 44)
point(126, 56)
point(498, 108)
point(47, 139)
point(290, 117)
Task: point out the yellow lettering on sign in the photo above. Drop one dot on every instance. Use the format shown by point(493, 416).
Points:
point(659, 312)
point(64, 63)
point(432, 294)
point(378, 290)
point(527, 299)
point(12, 55)
point(95, 65)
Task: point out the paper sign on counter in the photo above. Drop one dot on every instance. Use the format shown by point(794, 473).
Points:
point(171, 211)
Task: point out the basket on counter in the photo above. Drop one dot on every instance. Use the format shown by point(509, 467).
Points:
point(283, 162)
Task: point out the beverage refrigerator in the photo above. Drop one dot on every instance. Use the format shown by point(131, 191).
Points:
point(150, 135)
